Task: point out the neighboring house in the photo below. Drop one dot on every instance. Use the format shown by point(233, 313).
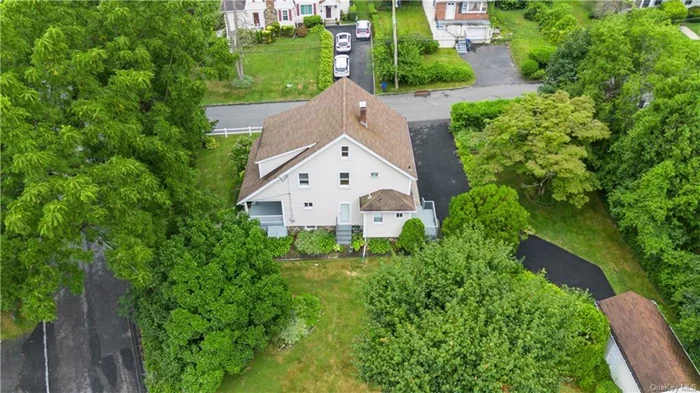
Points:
point(342, 160)
point(257, 14)
point(656, 3)
point(452, 22)
point(643, 353)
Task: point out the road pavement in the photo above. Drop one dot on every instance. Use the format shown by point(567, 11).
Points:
point(435, 107)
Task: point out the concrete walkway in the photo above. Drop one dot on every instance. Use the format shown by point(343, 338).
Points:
point(435, 107)
point(689, 33)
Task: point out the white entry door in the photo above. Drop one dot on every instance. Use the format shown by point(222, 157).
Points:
point(450, 11)
point(344, 217)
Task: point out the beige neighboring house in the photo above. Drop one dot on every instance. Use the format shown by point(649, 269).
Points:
point(342, 161)
point(251, 13)
point(453, 22)
point(643, 353)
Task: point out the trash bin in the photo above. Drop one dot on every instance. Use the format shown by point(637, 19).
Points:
point(384, 86)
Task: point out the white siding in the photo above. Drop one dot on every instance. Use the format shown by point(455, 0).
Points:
point(618, 368)
point(391, 227)
point(324, 190)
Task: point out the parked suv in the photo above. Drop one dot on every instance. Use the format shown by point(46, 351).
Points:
point(363, 29)
point(341, 66)
point(342, 42)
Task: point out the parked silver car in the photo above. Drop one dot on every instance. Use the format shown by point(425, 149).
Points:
point(363, 29)
point(341, 66)
point(342, 42)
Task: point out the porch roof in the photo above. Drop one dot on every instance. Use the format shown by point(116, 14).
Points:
point(387, 200)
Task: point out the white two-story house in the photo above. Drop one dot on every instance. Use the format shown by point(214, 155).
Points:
point(342, 160)
point(453, 22)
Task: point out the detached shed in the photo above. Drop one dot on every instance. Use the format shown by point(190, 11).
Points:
point(643, 353)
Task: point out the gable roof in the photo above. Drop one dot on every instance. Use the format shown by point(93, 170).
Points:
point(322, 120)
point(387, 200)
point(651, 349)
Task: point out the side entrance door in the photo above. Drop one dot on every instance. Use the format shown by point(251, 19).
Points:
point(328, 12)
point(450, 11)
point(344, 216)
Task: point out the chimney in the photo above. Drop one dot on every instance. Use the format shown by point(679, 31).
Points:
point(363, 113)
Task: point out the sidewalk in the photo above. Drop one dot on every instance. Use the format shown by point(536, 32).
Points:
point(689, 33)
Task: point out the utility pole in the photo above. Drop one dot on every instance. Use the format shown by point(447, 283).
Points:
point(237, 45)
point(396, 45)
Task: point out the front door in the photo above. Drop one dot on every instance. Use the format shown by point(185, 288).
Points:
point(450, 11)
point(328, 13)
point(256, 19)
point(344, 217)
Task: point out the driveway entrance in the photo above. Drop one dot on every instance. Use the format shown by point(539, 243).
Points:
point(360, 63)
point(493, 65)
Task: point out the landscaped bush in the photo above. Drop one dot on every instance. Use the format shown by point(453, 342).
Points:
point(210, 143)
point(475, 114)
point(239, 157)
point(694, 12)
point(529, 67)
point(412, 236)
point(275, 28)
point(312, 20)
point(287, 30)
point(377, 245)
point(511, 4)
point(280, 246)
point(308, 308)
point(316, 242)
point(295, 329)
point(535, 10)
point(539, 74)
point(357, 241)
point(542, 54)
point(352, 13)
point(325, 72)
point(301, 31)
point(557, 23)
point(675, 10)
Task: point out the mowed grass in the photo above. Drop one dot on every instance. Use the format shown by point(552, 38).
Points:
point(10, 328)
point(321, 361)
point(283, 71)
point(216, 171)
point(695, 26)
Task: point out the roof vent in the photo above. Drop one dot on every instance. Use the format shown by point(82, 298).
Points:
point(363, 113)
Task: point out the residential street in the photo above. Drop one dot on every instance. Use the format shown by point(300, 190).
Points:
point(435, 107)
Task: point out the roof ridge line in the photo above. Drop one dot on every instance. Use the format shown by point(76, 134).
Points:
point(345, 108)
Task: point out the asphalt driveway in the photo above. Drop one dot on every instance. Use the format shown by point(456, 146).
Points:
point(493, 65)
point(440, 173)
point(563, 267)
point(360, 62)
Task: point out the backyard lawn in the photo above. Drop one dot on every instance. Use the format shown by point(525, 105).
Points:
point(694, 26)
point(321, 361)
point(282, 71)
point(216, 171)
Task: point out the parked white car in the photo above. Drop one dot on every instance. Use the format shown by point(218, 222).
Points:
point(341, 66)
point(342, 42)
point(363, 29)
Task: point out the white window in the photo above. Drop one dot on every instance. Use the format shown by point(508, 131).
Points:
point(285, 15)
point(306, 9)
point(378, 218)
point(344, 152)
point(399, 216)
point(303, 180)
point(308, 205)
point(374, 175)
point(472, 7)
point(344, 178)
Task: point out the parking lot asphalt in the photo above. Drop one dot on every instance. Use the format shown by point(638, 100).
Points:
point(360, 61)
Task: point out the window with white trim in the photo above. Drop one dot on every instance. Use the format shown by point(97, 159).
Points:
point(308, 205)
point(344, 179)
point(344, 152)
point(473, 7)
point(306, 9)
point(399, 216)
point(374, 175)
point(285, 16)
point(378, 218)
point(304, 180)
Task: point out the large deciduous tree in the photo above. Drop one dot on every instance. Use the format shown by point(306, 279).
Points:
point(546, 137)
point(217, 297)
point(101, 111)
point(464, 316)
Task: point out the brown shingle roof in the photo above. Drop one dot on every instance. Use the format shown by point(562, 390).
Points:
point(387, 200)
point(651, 350)
point(323, 119)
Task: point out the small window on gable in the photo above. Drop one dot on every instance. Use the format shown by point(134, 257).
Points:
point(374, 175)
point(399, 215)
point(378, 218)
point(308, 205)
point(344, 152)
point(303, 180)
point(344, 179)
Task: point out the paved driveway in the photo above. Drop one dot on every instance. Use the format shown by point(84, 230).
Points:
point(563, 267)
point(360, 62)
point(493, 65)
point(440, 173)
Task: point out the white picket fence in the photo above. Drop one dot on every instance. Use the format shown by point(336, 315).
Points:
point(234, 131)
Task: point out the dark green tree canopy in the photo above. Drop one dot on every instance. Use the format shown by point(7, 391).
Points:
point(101, 111)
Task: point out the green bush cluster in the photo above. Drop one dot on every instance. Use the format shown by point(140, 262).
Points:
point(475, 114)
point(556, 23)
point(316, 242)
point(313, 20)
point(301, 31)
point(535, 10)
point(266, 36)
point(239, 157)
point(694, 12)
point(675, 10)
point(280, 246)
point(511, 4)
point(287, 31)
point(275, 28)
point(352, 13)
point(412, 237)
point(542, 54)
point(325, 73)
point(210, 143)
point(529, 67)
point(357, 241)
point(378, 245)
point(308, 308)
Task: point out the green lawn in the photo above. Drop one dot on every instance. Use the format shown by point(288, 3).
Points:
point(695, 26)
point(216, 171)
point(282, 71)
point(321, 361)
point(362, 10)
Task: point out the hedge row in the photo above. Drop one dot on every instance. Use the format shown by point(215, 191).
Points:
point(475, 114)
point(325, 73)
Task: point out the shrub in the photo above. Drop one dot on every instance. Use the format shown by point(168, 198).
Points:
point(607, 387)
point(475, 114)
point(259, 37)
point(315, 242)
point(542, 54)
point(325, 73)
point(357, 241)
point(557, 25)
point(239, 156)
point(694, 12)
point(372, 9)
point(267, 36)
point(312, 20)
point(280, 246)
point(539, 74)
point(430, 47)
point(301, 31)
point(529, 67)
point(287, 30)
point(379, 245)
point(308, 308)
point(352, 13)
point(244, 83)
point(675, 10)
point(210, 143)
point(535, 10)
point(511, 4)
point(412, 236)
point(295, 329)
point(275, 28)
